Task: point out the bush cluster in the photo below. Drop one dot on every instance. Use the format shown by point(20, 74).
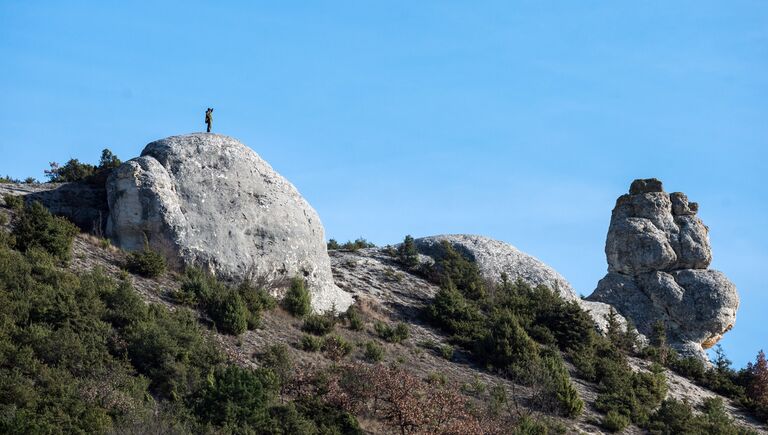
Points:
point(748, 386)
point(514, 329)
point(392, 334)
point(354, 318)
point(310, 343)
point(297, 300)
point(33, 227)
point(407, 253)
point(676, 417)
point(319, 324)
point(147, 262)
point(74, 170)
point(84, 354)
point(373, 351)
point(351, 246)
point(232, 309)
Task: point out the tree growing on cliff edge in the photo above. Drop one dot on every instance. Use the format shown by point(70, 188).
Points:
point(74, 170)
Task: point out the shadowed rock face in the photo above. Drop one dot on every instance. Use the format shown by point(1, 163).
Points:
point(210, 201)
point(85, 204)
point(658, 253)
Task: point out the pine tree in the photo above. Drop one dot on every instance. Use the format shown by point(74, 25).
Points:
point(614, 332)
point(758, 384)
point(659, 341)
point(407, 253)
point(722, 363)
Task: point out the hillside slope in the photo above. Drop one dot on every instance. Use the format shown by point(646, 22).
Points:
point(385, 292)
point(388, 293)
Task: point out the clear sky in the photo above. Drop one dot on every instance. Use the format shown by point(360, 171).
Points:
point(519, 120)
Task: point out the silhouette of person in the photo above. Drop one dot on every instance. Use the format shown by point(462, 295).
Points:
point(209, 118)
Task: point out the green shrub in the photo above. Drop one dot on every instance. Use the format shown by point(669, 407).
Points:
point(691, 368)
point(232, 309)
point(228, 312)
point(454, 267)
point(297, 301)
point(237, 397)
point(630, 393)
point(197, 287)
point(569, 402)
point(530, 426)
point(351, 246)
point(13, 201)
point(108, 160)
point(355, 319)
point(7, 179)
point(257, 299)
point(310, 343)
point(446, 351)
point(319, 324)
point(506, 346)
point(35, 227)
point(278, 359)
point(373, 352)
point(395, 334)
point(72, 171)
point(147, 263)
point(170, 349)
point(326, 418)
point(407, 253)
point(615, 422)
point(454, 313)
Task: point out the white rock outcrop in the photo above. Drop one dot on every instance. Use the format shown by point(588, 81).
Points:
point(494, 257)
point(208, 200)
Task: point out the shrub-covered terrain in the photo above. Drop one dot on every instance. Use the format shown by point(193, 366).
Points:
point(82, 353)
point(527, 334)
point(81, 350)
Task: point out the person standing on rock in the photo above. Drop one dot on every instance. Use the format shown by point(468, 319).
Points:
point(209, 119)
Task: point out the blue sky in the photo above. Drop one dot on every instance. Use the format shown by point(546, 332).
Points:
point(519, 120)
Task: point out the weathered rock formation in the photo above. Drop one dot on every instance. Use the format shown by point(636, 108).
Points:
point(494, 257)
point(658, 253)
point(210, 201)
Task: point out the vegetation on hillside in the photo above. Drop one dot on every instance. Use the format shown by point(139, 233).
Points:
point(747, 387)
point(233, 310)
point(82, 353)
point(528, 333)
point(351, 246)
